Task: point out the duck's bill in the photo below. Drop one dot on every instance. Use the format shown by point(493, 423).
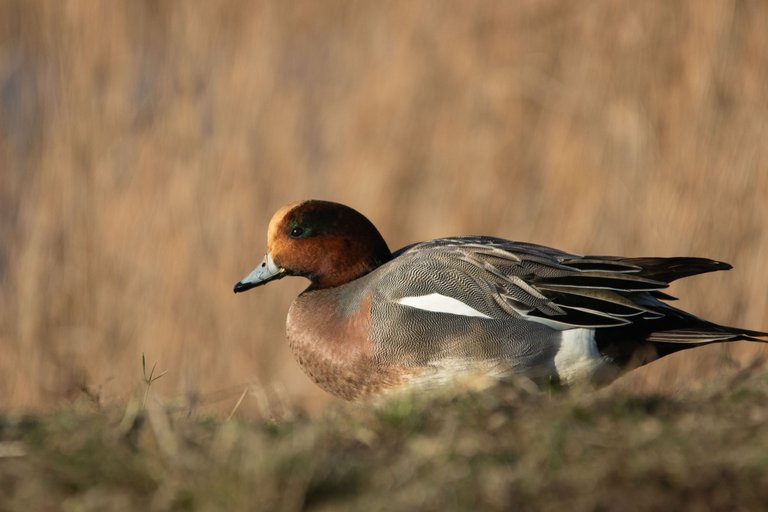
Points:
point(266, 271)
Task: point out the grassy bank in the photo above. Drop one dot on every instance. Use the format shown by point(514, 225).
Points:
point(498, 449)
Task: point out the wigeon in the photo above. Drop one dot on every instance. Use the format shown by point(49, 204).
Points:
point(372, 320)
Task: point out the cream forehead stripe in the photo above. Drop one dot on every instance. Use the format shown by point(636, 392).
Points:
point(441, 304)
point(276, 219)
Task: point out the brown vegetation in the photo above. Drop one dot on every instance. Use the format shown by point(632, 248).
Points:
point(500, 449)
point(144, 146)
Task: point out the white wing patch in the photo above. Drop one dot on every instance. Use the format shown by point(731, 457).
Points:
point(438, 303)
point(578, 356)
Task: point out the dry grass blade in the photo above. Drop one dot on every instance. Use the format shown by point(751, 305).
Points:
point(149, 378)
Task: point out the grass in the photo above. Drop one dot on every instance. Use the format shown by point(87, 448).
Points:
point(149, 378)
point(498, 449)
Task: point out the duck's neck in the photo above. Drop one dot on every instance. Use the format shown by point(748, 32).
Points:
point(348, 259)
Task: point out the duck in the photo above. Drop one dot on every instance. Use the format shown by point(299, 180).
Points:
point(372, 321)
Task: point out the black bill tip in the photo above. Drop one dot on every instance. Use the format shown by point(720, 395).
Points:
point(240, 286)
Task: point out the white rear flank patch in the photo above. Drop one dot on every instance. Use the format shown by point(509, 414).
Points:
point(441, 304)
point(578, 357)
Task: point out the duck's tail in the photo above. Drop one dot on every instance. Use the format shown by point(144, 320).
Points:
point(676, 327)
point(692, 331)
point(677, 331)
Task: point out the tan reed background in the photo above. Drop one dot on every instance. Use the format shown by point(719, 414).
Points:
point(144, 146)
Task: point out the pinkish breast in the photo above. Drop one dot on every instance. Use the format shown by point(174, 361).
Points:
point(334, 349)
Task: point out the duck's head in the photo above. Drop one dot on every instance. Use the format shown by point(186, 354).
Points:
point(328, 243)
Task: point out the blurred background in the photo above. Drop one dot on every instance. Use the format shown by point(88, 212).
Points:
point(144, 146)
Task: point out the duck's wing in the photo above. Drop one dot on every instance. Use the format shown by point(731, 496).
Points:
point(565, 291)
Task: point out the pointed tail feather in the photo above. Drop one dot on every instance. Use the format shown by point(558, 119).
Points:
point(698, 336)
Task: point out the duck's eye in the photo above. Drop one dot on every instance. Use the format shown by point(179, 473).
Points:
point(297, 232)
